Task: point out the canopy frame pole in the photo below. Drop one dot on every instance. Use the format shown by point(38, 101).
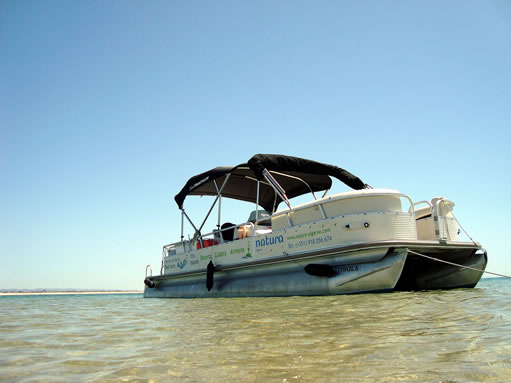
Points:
point(276, 186)
point(219, 205)
point(257, 206)
point(298, 179)
point(182, 224)
point(189, 220)
point(214, 202)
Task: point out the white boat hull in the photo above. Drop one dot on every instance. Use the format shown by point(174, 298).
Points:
point(369, 268)
point(363, 271)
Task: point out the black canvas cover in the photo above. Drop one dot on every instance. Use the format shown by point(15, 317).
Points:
point(296, 175)
point(282, 163)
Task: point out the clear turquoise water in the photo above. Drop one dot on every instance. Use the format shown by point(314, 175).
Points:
point(445, 336)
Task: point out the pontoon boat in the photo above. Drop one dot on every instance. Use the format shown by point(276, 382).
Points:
point(361, 241)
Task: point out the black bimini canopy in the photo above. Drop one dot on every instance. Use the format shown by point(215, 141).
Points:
point(297, 176)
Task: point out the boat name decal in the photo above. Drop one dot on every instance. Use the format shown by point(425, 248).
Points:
point(347, 268)
point(199, 183)
point(269, 241)
point(238, 251)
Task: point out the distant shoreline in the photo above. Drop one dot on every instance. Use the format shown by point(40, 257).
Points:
point(15, 293)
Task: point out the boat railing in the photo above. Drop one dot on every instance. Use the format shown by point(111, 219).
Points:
point(215, 237)
point(438, 211)
point(437, 217)
point(320, 204)
point(249, 229)
point(422, 212)
point(421, 202)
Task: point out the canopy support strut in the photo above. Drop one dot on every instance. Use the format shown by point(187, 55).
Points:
point(216, 199)
point(276, 186)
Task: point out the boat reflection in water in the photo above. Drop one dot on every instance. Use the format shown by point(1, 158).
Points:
point(353, 242)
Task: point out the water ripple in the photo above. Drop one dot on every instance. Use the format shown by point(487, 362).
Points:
point(446, 336)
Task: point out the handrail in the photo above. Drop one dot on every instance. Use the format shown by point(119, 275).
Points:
point(340, 197)
point(204, 236)
point(163, 254)
point(418, 203)
point(436, 215)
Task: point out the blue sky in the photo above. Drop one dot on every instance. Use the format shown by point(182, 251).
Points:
point(107, 108)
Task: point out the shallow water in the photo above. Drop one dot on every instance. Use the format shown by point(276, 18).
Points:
point(444, 336)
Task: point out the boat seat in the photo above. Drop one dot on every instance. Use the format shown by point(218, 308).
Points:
point(262, 215)
point(248, 231)
point(423, 212)
point(227, 231)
